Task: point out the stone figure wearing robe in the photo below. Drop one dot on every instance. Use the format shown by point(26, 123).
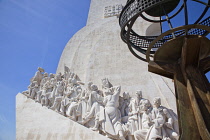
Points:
point(58, 96)
point(146, 121)
point(87, 95)
point(74, 85)
point(110, 116)
point(132, 123)
point(46, 90)
point(41, 93)
point(67, 73)
point(66, 101)
point(52, 83)
point(30, 88)
point(124, 108)
point(58, 77)
point(72, 111)
point(38, 75)
point(45, 93)
point(95, 101)
point(84, 104)
point(163, 123)
point(106, 83)
point(34, 90)
point(44, 80)
point(138, 100)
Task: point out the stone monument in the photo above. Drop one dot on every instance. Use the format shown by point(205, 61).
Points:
point(97, 51)
point(100, 90)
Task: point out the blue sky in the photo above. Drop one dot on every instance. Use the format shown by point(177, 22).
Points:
point(33, 33)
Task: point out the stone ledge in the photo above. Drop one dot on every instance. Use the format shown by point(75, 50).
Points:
point(34, 122)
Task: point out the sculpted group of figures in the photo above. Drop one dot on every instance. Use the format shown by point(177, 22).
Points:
point(104, 110)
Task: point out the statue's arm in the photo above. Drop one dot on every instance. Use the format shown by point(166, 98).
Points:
point(169, 122)
point(117, 90)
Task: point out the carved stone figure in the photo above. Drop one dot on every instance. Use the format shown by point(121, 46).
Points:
point(73, 83)
point(30, 88)
point(38, 76)
point(104, 111)
point(84, 104)
point(45, 93)
point(132, 123)
point(163, 123)
point(146, 121)
point(58, 77)
point(44, 80)
point(87, 94)
point(138, 100)
point(66, 101)
point(46, 87)
point(72, 112)
point(125, 103)
point(110, 116)
point(106, 83)
point(33, 90)
point(58, 96)
point(95, 101)
point(66, 73)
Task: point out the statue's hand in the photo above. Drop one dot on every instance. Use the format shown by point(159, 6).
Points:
point(168, 125)
point(130, 114)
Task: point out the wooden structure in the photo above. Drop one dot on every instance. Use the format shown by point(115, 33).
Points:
point(183, 54)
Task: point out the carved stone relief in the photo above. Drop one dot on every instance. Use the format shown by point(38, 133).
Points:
point(104, 110)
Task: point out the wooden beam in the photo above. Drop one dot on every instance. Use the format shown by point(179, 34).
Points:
point(162, 69)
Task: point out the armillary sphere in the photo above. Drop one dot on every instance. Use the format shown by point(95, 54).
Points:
point(181, 53)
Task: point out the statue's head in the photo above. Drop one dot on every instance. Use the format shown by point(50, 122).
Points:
point(69, 80)
point(145, 105)
point(35, 83)
point(94, 88)
point(156, 102)
point(40, 69)
point(45, 74)
point(139, 94)
point(72, 75)
point(74, 81)
point(89, 85)
point(52, 75)
point(126, 95)
point(106, 83)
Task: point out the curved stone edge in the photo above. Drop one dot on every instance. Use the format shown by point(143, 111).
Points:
point(33, 121)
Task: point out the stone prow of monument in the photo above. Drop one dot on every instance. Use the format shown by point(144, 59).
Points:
point(35, 122)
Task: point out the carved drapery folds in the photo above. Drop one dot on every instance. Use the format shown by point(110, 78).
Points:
point(103, 110)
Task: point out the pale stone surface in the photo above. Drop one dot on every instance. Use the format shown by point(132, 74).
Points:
point(34, 122)
point(96, 12)
point(104, 111)
point(158, 122)
point(96, 52)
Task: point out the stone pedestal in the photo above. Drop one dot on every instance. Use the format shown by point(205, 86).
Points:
point(35, 122)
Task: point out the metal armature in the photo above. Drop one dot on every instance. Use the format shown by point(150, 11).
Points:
point(182, 54)
point(135, 9)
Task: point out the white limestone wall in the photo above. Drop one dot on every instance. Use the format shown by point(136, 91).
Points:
point(97, 51)
point(96, 12)
point(34, 122)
